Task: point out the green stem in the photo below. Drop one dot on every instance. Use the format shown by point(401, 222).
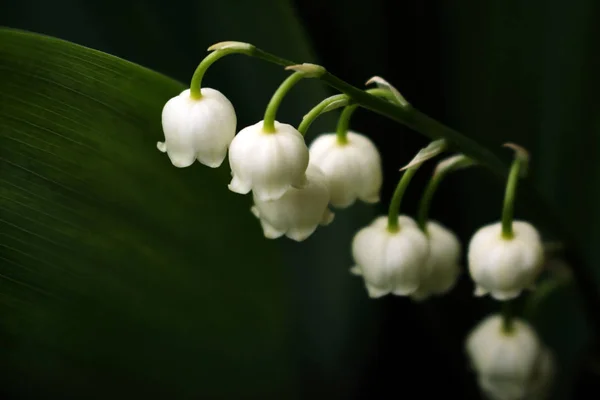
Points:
point(425, 204)
point(322, 107)
point(408, 116)
point(443, 168)
point(329, 104)
point(509, 199)
point(419, 122)
point(273, 106)
point(508, 310)
point(344, 123)
point(394, 209)
point(196, 84)
point(249, 50)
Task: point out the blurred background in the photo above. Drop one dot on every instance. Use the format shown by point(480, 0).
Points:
point(224, 313)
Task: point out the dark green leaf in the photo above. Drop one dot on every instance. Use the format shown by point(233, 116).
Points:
point(113, 262)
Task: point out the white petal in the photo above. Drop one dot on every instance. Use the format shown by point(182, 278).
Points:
point(182, 158)
point(211, 160)
point(404, 289)
point(390, 261)
point(368, 250)
point(505, 266)
point(505, 295)
point(215, 123)
point(270, 163)
point(479, 291)
point(442, 269)
point(255, 211)
point(238, 186)
point(353, 169)
point(420, 295)
point(198, 128)
point(371, 199)
point(380, 222)
point(268, 193)
point(300, 234)
point(406, 256)
point(299, 211)
point(161, 146)
point(328, 217)
point(269, 231)
point(501, 357)
point(355, 270)
point(375, 292)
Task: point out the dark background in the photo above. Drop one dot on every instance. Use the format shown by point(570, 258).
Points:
point(497, 70)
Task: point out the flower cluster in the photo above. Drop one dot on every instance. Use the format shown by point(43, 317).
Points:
point(294, 185)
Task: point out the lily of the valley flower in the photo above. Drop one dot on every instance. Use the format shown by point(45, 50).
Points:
point(442, 266)
point(353, 167)
point(198, 129)
point(390, 261)
point(299, 212)
point(504, 267)
point(268, 163)
point(510, 365)
point(538, 387)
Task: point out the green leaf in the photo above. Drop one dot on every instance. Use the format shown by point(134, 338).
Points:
point(116, 266)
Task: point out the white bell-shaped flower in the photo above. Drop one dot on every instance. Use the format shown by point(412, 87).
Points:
point(505, 267)
point(268, 163)
point(510, 365)
point(442, 263)
point(538, 386)
point(390, 262)
point(299, 212)
point(353, 167)
point(198, 129)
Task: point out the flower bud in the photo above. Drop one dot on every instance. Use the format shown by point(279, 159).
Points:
point(299, 212)
point(442, 264)
point(268, 163)
point(353, 167)
point(510, 365)
point(390, 262)
point(504, 267)
point(198, 129)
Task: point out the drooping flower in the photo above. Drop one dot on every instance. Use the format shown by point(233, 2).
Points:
point(510, 364)
point(504, 267)
point(442, 264)
point(353, 167)
point(299, 212)
point(268, 163)
point(198, 129)
point(390, 261)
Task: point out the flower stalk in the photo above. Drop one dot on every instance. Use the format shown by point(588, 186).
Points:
point(518, 166)
point(335, 102)
point(483, 155)
point(344, 123)
point(394, 210)
point(443, 168)
point(273, 106)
